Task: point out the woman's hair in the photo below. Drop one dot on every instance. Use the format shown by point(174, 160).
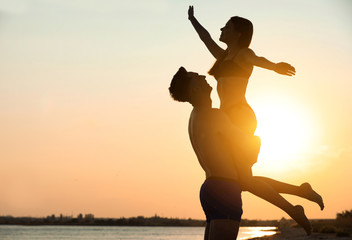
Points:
point(245, 27)
point(179, 86)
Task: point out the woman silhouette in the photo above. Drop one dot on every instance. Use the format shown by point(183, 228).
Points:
point(232, 70)
point(234, 66)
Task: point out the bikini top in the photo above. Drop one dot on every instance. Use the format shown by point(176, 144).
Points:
point(228, 68)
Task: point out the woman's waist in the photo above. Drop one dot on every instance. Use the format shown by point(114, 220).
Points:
point(232, 82)
point(232, 93)
point(232, 78)
point(227, 104)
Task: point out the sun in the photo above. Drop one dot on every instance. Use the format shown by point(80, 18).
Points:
point(286, 132)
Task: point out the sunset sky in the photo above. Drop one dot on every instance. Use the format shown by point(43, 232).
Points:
point(87, 124)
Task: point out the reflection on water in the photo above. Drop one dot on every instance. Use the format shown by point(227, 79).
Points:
point(253, 232)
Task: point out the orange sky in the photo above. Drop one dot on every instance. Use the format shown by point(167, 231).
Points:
point(87, 125)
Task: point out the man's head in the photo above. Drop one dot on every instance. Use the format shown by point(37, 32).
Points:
point(189, 87)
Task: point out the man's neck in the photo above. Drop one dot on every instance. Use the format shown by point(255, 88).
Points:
point(204, 105)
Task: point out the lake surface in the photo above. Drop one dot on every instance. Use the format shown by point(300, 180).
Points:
point(15, 232)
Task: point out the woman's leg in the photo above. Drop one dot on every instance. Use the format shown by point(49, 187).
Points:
point(304, 190)
point(267, 192)
point(243, 117)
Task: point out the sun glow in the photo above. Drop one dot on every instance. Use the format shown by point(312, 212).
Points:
point(286, 132)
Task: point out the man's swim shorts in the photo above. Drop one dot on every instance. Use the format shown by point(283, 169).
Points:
point(221, 199)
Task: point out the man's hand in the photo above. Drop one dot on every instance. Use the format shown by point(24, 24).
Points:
point(284, 69)
point(190, 12)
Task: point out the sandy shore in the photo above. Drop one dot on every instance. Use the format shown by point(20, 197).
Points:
point(299, 234)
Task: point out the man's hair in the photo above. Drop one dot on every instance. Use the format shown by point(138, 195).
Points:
point(179, 86)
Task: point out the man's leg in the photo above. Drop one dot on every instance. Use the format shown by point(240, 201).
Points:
point(206, 232)
point(223, 229)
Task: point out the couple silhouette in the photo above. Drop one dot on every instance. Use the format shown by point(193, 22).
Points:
point(223, 139)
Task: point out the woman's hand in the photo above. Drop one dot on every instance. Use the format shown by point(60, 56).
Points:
point(190, 12)
point(284, 69)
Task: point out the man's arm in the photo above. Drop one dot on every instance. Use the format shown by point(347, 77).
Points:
point(204, 35)
point(281, 67)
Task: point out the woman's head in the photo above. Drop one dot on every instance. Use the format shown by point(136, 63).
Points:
point(237, 28)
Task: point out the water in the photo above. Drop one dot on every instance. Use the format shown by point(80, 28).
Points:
point(15, 232)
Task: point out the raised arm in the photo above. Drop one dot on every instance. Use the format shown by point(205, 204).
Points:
point(281, 67)
point(204, 35)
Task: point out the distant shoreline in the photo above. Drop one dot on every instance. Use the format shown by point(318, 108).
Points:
point(90, 220)
point(286, 228)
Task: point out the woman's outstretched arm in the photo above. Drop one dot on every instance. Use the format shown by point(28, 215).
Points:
point(281, 67)
point(204, 35)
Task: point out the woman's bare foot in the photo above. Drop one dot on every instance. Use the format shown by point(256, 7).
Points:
point(308, 193)
point(299, 216)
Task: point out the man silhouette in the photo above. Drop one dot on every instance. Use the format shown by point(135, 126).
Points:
point(212, 136)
